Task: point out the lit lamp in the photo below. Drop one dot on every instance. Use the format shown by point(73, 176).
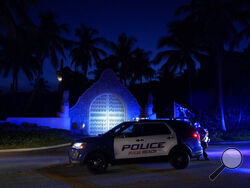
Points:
point(60, 79)
point(82, 128)
point(59, 72)
point(59, 76)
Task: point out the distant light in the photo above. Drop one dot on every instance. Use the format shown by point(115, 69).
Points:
point(59, 78)
point(83, 126)
point(138, 118)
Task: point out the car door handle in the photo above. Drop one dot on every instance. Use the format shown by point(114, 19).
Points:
point(139, 140)
point(170, 137)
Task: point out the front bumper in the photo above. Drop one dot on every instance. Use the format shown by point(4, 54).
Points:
point(76, 155)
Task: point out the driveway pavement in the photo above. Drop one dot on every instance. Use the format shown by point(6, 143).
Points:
point(50, 169)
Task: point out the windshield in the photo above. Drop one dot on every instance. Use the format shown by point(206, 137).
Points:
point(116, 129)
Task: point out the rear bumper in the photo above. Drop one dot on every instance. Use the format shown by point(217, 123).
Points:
point(196, 154)
point(195, 148)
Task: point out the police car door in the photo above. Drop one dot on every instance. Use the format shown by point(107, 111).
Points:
point(159, 139)
point(127, 142)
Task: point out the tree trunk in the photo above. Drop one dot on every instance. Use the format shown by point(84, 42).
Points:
point(14, 84)
point(190, 88)
point(220, 49)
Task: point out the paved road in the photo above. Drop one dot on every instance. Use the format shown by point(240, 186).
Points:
point(19, 170)
point(50, 169)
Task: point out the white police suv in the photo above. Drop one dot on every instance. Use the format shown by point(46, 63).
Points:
point(176, 141)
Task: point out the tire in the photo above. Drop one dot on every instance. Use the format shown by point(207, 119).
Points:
point(179, 159)
point(97, 163)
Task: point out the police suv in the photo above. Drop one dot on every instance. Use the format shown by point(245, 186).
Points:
point(176, 141)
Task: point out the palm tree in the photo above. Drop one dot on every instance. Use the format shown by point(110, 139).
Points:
point(40, 88)
point(183, 51)
point(122, 54)
point(14, 13)
point(217, 19)
point(141, 66)
point(17, 54)
point(87, 48)
point(49, 41)
point(16, 48)
point(106, 63)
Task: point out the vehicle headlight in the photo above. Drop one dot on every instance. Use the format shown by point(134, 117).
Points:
point(79, 145)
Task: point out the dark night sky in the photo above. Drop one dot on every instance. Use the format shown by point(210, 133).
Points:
point(143, 19)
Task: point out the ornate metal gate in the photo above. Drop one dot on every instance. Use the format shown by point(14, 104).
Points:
point(106, 111)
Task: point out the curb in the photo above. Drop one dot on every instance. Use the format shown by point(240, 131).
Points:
point(233, 142)
point(34, 149)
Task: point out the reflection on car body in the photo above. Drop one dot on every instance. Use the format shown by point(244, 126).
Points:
point(172, 140)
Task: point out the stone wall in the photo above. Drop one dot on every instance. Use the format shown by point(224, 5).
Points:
point(52, 122)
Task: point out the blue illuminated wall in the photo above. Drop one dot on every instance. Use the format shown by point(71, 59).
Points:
point(105, 104)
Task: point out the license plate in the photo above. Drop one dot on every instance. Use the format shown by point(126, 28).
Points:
point(75, 154)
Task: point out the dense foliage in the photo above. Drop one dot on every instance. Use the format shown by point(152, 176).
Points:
point(201, 66)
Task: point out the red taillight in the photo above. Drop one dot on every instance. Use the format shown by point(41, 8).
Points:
point(196, 135)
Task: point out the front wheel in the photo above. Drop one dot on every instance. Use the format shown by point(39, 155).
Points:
point(179, 159)
point(97, 163)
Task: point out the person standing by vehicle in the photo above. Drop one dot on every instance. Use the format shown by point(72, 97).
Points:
point(204, 138)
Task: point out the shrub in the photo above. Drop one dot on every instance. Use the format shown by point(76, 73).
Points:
point(31, 135)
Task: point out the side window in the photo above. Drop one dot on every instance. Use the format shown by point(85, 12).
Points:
point(119, 128)
point(131, 130)
point(155, 129)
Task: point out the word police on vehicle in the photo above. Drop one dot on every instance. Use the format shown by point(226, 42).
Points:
point(144, 146)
